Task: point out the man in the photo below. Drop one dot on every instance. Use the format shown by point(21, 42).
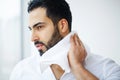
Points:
point(62, 54)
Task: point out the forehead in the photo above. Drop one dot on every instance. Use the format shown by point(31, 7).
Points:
point(37, 15)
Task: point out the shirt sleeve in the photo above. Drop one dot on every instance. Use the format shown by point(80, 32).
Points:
point(111, 70)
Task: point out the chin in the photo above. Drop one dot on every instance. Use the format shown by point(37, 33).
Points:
point(41, 52)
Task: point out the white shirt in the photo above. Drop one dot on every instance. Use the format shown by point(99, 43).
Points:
point(37, 68)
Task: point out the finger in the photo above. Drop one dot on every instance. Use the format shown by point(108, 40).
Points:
point(80, 42)
point(77, 40)
point(72, 40)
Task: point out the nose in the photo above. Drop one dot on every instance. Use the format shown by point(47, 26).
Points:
point(34, 37)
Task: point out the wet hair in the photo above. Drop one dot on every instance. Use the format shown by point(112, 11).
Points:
point(55, 10)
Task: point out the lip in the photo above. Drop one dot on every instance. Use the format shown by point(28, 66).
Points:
point(39, 46)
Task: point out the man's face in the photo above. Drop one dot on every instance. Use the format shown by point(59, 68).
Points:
point(44, 33)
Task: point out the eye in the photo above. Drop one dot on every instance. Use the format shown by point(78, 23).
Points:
point(38, 27)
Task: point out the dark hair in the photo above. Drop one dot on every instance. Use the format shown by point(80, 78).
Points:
point(55, 10)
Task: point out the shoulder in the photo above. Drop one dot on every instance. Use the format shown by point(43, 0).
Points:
point(26, 62)
point(22, 66)
point(98, 59)
point(103, 67)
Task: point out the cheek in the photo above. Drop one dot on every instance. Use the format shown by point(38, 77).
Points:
point(46, 35)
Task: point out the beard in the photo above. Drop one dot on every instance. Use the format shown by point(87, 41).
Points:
point(55, 38)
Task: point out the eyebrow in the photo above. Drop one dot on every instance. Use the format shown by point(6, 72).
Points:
point(36, 25)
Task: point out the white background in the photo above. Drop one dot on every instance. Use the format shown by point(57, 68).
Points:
point(98, 25)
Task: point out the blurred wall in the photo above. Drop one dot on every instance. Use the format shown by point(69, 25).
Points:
point(98, 25)
point(10, 36)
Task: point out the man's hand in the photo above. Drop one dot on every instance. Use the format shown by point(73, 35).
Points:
point(57, 71)
point(76, 57)
point(77, 52)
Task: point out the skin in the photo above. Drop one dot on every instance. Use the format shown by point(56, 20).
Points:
point(76, 57)
point(44, 32)
point(41, 27)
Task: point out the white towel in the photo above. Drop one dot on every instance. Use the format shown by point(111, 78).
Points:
point(57, 55)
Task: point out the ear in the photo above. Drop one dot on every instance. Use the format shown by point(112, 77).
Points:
point(63, 27)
